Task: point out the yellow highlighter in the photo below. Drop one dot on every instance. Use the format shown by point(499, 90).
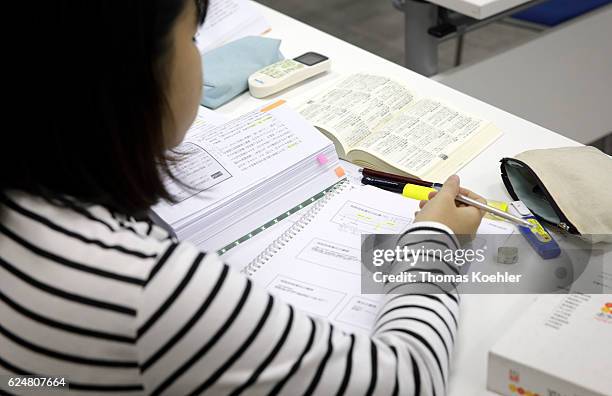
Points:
point(419, 192)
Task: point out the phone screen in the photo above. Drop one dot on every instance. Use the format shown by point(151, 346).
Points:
point(310, 58)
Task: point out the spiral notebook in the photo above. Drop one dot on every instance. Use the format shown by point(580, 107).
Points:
point(315, 264)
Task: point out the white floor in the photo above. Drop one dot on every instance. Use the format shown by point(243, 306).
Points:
point(562, 80)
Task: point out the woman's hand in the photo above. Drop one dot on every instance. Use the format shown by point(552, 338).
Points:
point(442, 207)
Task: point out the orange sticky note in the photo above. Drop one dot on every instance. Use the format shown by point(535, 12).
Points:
point(340, 171)
point(272, 106)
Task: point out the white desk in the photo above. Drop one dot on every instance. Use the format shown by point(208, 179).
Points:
point(484, 317)
point(479, 9)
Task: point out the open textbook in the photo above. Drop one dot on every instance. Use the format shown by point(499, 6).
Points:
point(382, 124)
point(228, 20)
point(244, 172)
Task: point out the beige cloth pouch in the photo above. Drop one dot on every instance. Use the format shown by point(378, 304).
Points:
point(568, 187)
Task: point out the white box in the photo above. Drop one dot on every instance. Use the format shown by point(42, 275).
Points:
point(561, 346)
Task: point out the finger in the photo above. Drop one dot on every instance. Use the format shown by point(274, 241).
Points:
point(450, 188)
point(422, 204)
point(473, 195)
point(432, 194)
point(465, 191)
point(472, 212)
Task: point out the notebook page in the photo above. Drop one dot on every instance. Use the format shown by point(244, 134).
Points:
point(319, 270)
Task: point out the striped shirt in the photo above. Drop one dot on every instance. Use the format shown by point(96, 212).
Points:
point(117, 306)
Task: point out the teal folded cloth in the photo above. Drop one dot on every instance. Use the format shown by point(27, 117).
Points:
point(227, 68)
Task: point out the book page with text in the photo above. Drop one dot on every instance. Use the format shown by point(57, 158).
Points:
point(354, 107)
point(220, 162)
point(423, 136)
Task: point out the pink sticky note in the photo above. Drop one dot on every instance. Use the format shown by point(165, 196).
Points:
point(322, 159)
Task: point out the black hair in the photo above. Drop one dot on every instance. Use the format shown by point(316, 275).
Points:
point(94, 126)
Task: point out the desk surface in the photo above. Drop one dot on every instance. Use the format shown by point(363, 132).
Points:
point(483, 317)
point(479, 9)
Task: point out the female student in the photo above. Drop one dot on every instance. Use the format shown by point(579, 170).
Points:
point(92, 291)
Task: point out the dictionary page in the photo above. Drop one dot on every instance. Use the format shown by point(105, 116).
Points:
point(219, 163)
point(351, 110)
point(379, 123)
point(229, 20)
point(429, 139)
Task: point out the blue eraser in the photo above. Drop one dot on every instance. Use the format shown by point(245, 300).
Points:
point(540, 239)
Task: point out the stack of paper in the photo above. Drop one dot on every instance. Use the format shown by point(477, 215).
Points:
point(243, 173)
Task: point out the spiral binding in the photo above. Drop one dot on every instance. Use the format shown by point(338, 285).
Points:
point(296, 228)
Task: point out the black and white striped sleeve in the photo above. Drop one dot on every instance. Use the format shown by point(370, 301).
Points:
point(203, 327)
